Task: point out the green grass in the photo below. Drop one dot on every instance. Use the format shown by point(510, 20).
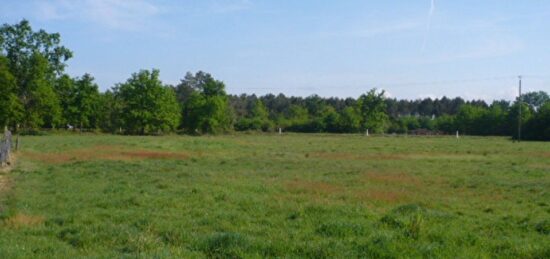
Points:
point(297, 195)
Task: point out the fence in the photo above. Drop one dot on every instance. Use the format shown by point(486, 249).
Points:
point(5, 148)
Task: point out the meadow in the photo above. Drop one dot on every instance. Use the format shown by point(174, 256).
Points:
point(265, 195)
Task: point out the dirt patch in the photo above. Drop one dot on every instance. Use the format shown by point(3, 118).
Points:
point(116, 153)
point(386, 156)
point(392, 179)
point(541, 154)
point(22, 220)
point(315, 187)
point(352, 156)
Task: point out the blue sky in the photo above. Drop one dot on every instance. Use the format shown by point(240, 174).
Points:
point(412, 48)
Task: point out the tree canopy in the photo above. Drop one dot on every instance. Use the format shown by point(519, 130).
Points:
point(147, 106)
point(35, 93)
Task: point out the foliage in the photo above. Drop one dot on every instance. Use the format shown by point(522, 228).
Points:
point(535, 99)
point(372, 108)
point(11, 109)
point(538, 128)
point(19, 43)
point(257, 119)
point(147, 106)
point(85, 102)
point(205, 104)
point(34, 58)
point(36, 94)
point(40, 102)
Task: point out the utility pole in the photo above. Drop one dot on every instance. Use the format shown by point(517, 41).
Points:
point(519, 107)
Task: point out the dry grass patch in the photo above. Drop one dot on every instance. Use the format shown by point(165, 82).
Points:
point(22, 220)
point(352, 156)
point(315, 187)
point(391, 179)
point(102, 152)
point(387, 156)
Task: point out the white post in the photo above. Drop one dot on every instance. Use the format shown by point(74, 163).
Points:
point(457, 136)
point(367, 133)
point(280, 131)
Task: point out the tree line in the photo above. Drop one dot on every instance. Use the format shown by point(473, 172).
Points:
point(35, 93)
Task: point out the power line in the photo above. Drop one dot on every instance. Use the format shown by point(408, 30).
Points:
point(407, 84)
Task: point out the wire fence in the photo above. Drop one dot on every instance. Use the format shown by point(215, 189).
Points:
point(5, 148)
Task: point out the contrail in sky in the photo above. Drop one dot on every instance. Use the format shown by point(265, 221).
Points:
point(432, 10)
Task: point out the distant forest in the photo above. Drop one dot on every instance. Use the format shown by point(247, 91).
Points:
point(36, 93)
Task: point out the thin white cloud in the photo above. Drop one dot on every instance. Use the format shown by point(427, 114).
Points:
point(373, 31)
point(114, 14)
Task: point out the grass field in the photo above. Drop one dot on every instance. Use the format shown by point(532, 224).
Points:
point(276, 196)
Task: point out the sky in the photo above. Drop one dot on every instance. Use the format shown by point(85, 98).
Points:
point(410, 48)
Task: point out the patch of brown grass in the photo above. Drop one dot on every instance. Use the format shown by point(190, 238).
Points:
point(22, 220)
point(315, 187)
point(387, 156)
point(392, 179)
point(114, 153)
point(351, 156)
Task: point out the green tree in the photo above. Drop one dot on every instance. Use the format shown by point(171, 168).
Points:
point(297, 120)
point(446, 123)
point(372, 108)
point(64, 88)
point(109, 112)
point(535, 99)
point(350, 120)
point(205, 104)
point(19, 42)
point(11, 110)
point(85, 101)
point(147, 106)
point(331, 120)
point(538, 127)
point(257, 119)
point(34, 59)
point(513, 117)
point(469, 119)
point(38, 97)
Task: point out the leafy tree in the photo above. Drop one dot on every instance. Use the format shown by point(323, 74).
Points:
point(538, 127)
point(331, 120)
point(258, 119)
point(446, 123)
point(11, 110)
point(372, 108)
point(34, 59)
point(64, 88)
point(513, 117)
point(19, 42)
point(38, 97)
point(535, 99)
point(350, 120)
point(469, 118)
point(109, 112)
point(298, 118)
point(410, 123)
point(494, 120)
point(147, 106)
point(85, 101)
point(205, 104)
